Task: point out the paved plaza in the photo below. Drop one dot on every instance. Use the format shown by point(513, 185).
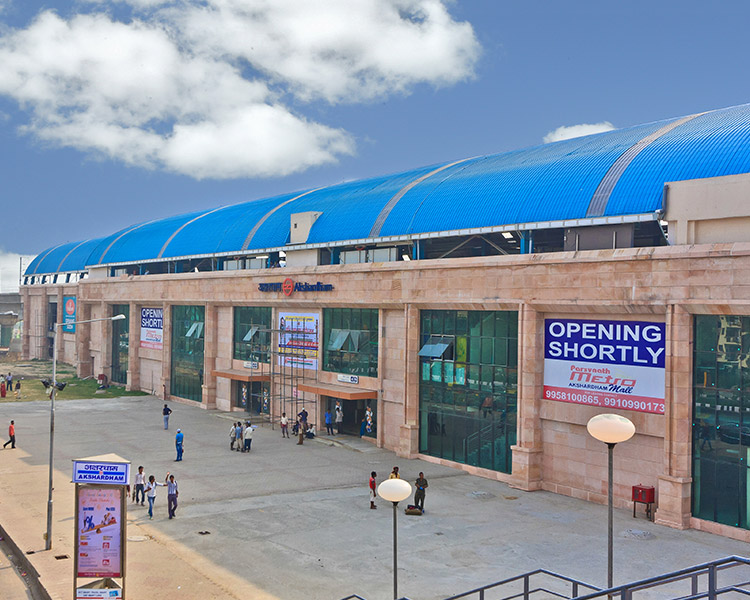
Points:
point(289, 521)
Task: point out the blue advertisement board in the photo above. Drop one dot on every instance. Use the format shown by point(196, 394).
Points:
point(69, 314)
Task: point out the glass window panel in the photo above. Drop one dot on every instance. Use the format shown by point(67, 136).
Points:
point(462, 322)
point(474, 377)
point(501, 324)
point(437, 322)
point(501, 351)
point(488, 324)
point(437, 371)
point(475, 319)
point(487, 348)
point(460, 374)
point(448, 372)
point(449, 323)
point(487, 373)
point(728, 375)
point(461, 349)
point(474, 350)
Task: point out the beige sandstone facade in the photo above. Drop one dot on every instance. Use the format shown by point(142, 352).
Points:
point(553, 452)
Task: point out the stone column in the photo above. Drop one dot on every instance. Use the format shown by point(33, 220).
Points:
point(210, 347)
point(166, 354)
point(84, 366)
point(105, 339)
point(527, 453)
point(134, 348)
point(25, 334)
point(409, 447)
point(675, 483)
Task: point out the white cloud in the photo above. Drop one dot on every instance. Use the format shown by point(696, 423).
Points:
point(202, 87)
point(574, 131)
point(10, 270)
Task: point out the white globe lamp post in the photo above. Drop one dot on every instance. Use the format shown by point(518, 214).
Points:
point(395, 490)
point(610, 429)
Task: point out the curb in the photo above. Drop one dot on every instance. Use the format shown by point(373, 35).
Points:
point(38, 591)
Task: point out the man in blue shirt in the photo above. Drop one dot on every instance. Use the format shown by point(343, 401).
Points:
point(329, 423)
point(178, 443)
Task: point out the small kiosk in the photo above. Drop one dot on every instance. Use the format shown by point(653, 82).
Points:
point(100, 526)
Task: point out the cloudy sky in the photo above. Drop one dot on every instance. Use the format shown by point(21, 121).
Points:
point(114, 112)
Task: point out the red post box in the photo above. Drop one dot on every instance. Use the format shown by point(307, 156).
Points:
point(645, 494)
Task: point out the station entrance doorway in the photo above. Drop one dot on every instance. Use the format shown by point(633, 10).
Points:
point(360, 416)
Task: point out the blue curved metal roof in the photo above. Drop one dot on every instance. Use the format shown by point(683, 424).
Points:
point(619, 172)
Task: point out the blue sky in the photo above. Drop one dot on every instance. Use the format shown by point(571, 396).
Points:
point(170, 123)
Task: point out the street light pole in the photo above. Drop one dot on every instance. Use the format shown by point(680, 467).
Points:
point(48, 535)
point(395, 490)
point(610, 429)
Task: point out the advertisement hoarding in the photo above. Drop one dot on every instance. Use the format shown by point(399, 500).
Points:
point(152, 328)
point(298, 340)
point(99, 550)
point(609, 364)
point(69, 314)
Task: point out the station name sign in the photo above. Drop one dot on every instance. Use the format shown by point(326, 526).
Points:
point(95, 472)
point(289, 286)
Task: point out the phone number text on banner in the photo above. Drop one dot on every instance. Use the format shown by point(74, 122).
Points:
point(609, 364)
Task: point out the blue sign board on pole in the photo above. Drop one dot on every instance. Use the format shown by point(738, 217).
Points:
point(69, 314)
point(92, 471)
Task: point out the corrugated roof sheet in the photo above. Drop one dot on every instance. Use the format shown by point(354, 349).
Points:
point(544, 183)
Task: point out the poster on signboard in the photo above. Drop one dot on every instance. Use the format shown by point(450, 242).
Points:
point(609, 364)
point(298, 340)
point(69, 314)
point(98, 535)
point(152, 328)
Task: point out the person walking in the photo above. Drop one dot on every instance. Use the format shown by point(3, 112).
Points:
point(247, 436)
point(151, 494)
point(11, 435)
point(329, 423)
point(172, 494)
point(179, 444)
point(284, 425)
point(394, 474)
point(166, 411)
point(421, 484)
point(339, 417)
point(232, 436)
point(140, 486)
point(373, 493)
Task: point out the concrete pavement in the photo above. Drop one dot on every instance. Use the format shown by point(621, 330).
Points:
point(290, 521)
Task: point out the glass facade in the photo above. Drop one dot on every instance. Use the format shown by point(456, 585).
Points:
point(254, 396)
point(350, 341)
point(120, 342)
point(252, 333)
point(468, 386)
point(187, 352)
point(721, 423)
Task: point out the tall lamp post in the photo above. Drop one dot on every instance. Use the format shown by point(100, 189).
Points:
point(54, 387)
point(610, 429)
point(395, 490)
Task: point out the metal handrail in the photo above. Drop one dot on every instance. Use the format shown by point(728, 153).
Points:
point(711, 569)
point(526, 577)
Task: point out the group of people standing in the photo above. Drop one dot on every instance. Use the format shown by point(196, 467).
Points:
point(6, 385)
point(420, 486)
point(241, 435)
point(147, 489)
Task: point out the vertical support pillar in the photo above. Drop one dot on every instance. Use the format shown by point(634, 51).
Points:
point(527, 453)
point(409, 446)
point(134, 347)
point(84, 365)
point(166, 355)
point(25, 332)
point(210, 345)
point(675, 483)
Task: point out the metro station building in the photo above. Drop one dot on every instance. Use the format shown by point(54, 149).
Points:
point(475, 313)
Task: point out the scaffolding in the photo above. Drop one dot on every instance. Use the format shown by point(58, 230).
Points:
point(293, 356)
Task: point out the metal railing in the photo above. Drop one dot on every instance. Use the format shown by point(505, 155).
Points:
point(698, 582)
point(703, 580)
point(528, 585)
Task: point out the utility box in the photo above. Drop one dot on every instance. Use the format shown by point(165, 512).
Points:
point(644, 494)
